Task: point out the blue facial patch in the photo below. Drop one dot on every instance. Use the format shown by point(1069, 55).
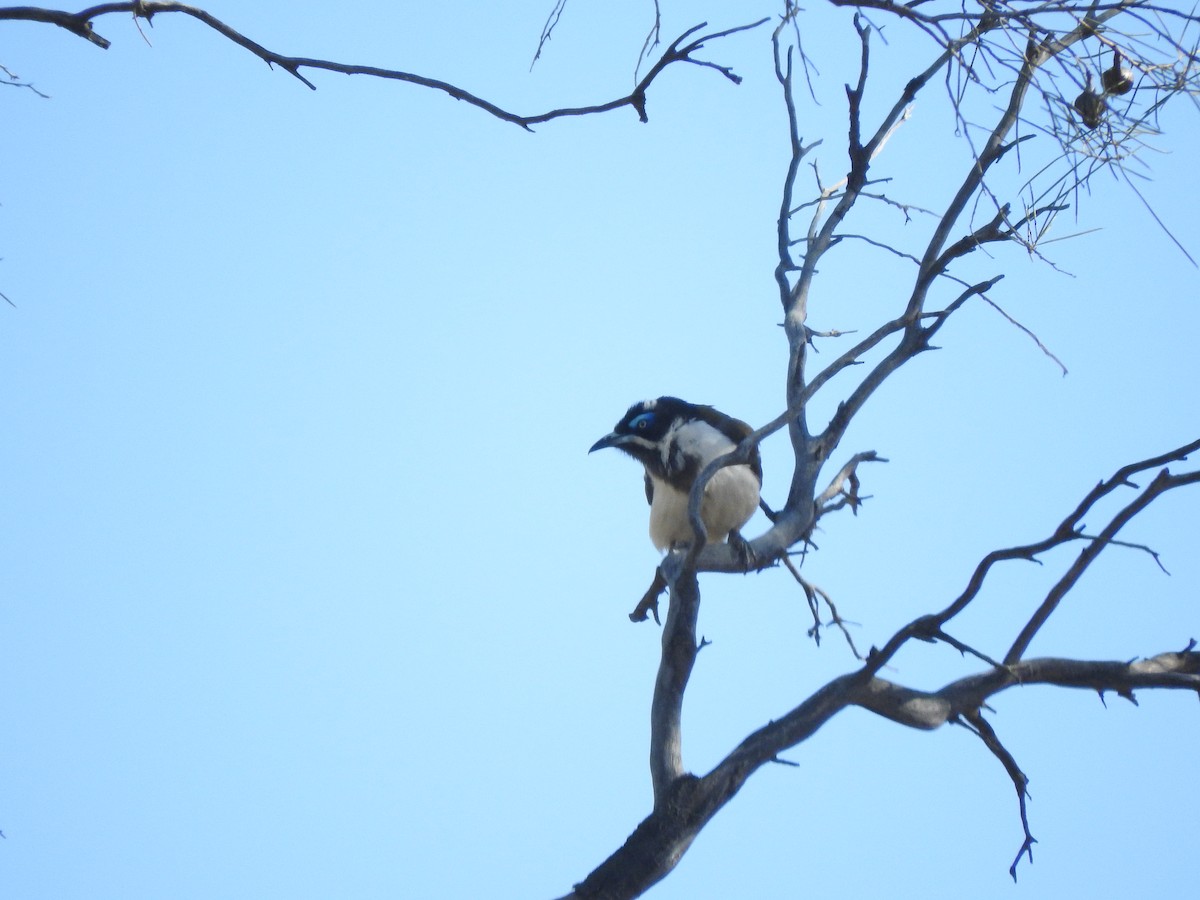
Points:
point(641, 421)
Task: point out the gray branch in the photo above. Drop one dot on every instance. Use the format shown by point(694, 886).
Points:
point(688, 803)
point(681, 50)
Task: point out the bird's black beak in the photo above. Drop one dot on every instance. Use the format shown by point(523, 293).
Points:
point(609, 440)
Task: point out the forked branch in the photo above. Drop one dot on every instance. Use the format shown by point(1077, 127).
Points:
point(686, 805)
point(1069, 530)
point(681, 50)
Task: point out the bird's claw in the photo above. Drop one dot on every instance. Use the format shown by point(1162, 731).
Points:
point(742, 551)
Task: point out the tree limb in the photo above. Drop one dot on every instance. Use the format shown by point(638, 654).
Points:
point(1068, 530)
point(678, 656)
point(684, 803)
point(660, 841)
point(80, 24)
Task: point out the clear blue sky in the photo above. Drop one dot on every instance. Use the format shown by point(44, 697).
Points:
point(309, 586)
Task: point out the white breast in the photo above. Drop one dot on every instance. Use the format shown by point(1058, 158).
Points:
point(730, 499)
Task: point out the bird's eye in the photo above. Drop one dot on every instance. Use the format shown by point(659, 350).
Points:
point(642, 421)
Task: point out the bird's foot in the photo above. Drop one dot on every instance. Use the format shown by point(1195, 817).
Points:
point(742, 551)
point(648, 605)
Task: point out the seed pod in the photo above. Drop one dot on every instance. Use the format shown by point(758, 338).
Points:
point(1090, 107)
point(1119, 78)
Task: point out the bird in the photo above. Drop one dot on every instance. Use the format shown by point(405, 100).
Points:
point(674, 440)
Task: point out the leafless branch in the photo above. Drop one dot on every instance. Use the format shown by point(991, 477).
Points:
point(815, 596)
point(1068, 530)
point(80, 24)
point(836, 495)
point(1046, 350)
point(652, 39)
point(15, 81)
point(548, 29)
point(1162, 483)
point(684, 803)
point(987, 734)
point(690, 802)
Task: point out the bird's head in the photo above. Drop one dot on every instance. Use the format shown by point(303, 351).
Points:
point(642, 429)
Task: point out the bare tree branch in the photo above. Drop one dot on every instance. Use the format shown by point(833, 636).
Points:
point(1069, 529)
point(653, 36)
point(80, 24)
point(815, 596)
point(684, 803)
point(548, 29)
point(666, 709)
point(836, 495)
point(1162, 483)
point(660, 841)
point(14, 80)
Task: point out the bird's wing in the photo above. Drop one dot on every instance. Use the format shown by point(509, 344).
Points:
point(649, 489)
point(734, 429)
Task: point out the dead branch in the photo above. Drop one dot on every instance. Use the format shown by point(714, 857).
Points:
point(679, 650)
point(815, 595)
point(1067, 531)
point(685, 805)
point(548, 30)
point(81, 24)
point(837, 495)
point(1162, 483)
point(13, 80)
point(1026, 330)
point(980, 726)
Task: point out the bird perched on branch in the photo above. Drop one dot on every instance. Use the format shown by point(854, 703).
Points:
point(675, 440)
